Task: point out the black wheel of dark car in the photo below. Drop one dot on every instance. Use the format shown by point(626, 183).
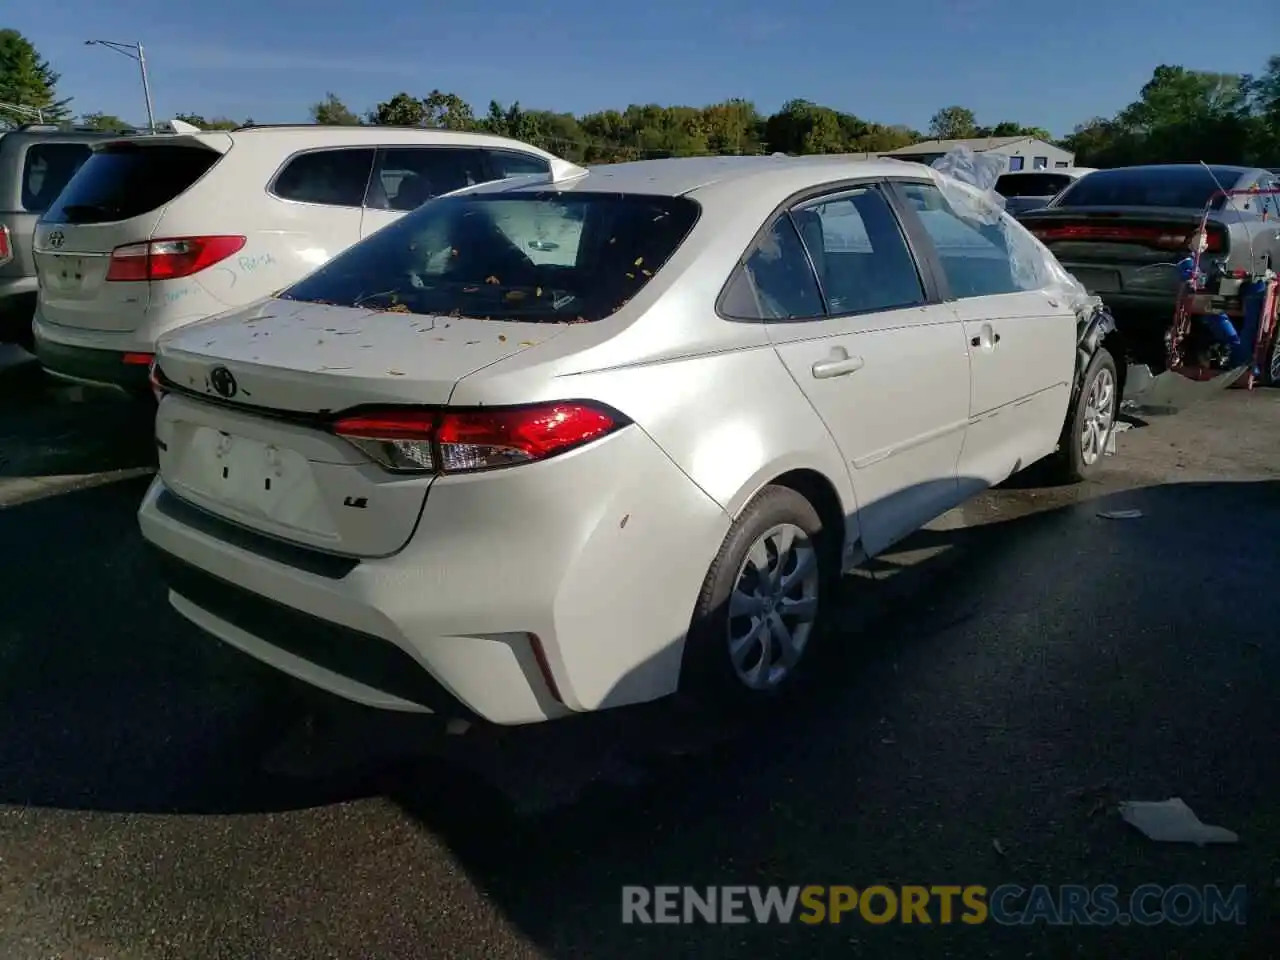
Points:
point(757, 616)
point(1271, 370)
point(1090, 422)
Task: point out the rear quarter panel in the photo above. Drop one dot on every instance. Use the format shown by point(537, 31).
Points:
point(712, 393)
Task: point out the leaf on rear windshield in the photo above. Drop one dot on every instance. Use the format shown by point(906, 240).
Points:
point(398, 308)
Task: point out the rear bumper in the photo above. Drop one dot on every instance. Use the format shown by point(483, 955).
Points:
point(91, 365)
point(598, 554)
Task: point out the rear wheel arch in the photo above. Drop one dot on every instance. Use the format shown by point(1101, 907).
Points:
point(825, 498)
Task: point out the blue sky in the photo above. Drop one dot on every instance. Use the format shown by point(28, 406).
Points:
point(1052, 65)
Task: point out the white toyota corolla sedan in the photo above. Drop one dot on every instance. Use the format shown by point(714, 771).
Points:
point(568, 442)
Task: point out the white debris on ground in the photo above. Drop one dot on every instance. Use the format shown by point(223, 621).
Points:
point(1120, 514)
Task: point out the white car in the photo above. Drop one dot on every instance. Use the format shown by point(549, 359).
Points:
point(155, 232)
point(1025, 190)
point(559, 444)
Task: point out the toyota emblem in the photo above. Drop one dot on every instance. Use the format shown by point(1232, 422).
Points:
point(55, 239)
point(223, 383)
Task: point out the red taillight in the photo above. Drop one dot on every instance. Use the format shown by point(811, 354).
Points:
point(170, 259)
point(6, 247)
point(1158, 237)
point(137, 359)
point(447, 441)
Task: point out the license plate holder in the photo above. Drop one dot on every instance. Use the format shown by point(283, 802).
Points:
point(249, 476)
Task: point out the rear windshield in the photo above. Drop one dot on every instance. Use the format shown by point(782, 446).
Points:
point(1182, 186)
point(1031, 184)
point(538, 256)
point(125, 180)
point(45, 171)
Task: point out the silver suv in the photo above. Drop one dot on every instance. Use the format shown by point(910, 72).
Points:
point(36, 161)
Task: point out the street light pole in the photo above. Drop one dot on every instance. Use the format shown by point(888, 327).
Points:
point(146, 90)
point(133, 51)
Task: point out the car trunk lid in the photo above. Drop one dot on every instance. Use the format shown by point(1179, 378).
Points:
point(116, 199)
point(1114, 249)
point(1121, 234)
point(310, 358)
point(245, 432)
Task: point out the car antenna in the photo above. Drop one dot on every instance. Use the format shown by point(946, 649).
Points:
point(1253, 257)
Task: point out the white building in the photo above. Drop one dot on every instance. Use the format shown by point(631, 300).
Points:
point(1024, 153)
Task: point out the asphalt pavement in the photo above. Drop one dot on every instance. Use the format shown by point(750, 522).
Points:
point(999, 685)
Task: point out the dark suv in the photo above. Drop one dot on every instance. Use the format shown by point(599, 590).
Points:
point(36, 161)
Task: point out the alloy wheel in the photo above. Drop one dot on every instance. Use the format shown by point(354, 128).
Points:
point(773, 607)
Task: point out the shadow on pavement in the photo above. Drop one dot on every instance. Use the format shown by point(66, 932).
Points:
point(1055, 654)
point(52, 429)
point(964, 700)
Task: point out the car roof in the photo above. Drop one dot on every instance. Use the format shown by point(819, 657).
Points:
point(326, 134)
point(681, 176)
point(1068, 171)
point(1164, 167)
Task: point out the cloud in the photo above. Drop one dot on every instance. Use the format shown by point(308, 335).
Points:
point(759, 29)
point(211, 58)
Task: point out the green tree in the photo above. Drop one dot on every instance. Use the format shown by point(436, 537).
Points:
point(213, 123)
point(104, 121)
point(401, 110)
point(802, 126)
point(27, 81)
point(1008, 128)
point(448, 111)
point(953, 123)
point(1263, 96)
point(333, 112)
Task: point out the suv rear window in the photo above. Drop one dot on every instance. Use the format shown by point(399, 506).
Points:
point(46, 170)
point(125, 180)
point(1031, 184)
point(1181, 186)
point(540, 256)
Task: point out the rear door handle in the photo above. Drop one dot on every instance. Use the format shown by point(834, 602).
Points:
point(838, 364)
point(977, 341)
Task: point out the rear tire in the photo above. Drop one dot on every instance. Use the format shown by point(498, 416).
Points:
point(756, 621)
point(1089, 423)
point(1271, 369)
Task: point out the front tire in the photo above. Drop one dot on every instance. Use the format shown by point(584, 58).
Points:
point(1090, 422)
point(756, 619)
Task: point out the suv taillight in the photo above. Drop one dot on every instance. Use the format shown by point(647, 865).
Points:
point(448, 441)
point(6, 246)
point(170, 259)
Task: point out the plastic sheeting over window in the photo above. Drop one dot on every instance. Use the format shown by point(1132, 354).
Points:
point(967, 182)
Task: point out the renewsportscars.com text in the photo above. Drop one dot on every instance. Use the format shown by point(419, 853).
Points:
point(1008, 904)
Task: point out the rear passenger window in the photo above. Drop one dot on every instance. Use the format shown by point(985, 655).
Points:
point(507, 163)
point(125, 180)
point(862, 258)
point(335, 178)
point(776, 282)
point(47, 168)
point(979, 259)
point(407, 177)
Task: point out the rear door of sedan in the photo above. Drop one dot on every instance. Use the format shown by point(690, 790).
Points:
point(1021, 339)
point(863, 331)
